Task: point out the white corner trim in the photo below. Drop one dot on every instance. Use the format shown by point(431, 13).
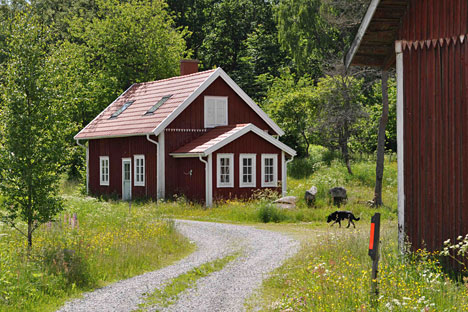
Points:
point(400, 146)
point(361, 32)
point(256, 130)
point(101, 181)
point(219, 72)
point(254, 170)
point(76, 136)
point(135, 178)
point(275, 170)
point(162, 166)
point(220, 184)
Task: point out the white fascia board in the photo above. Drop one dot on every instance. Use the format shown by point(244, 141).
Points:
point(219, 72)
point(259, 132)
point(186, 155)
point(76, 136)
point(361, 32)
point(115, 136)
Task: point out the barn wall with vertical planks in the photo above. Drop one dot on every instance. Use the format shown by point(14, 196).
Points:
point(436, 140)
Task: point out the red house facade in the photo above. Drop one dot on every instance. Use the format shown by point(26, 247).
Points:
point(427, 42)
point(197, 135)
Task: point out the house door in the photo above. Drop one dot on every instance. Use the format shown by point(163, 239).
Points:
point(126, 179)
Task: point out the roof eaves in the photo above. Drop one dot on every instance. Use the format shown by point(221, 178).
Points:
point(361, 32)
point(256, 130)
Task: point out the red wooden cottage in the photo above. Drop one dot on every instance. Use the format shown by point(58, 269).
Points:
point(427, 40)
point(197, 135)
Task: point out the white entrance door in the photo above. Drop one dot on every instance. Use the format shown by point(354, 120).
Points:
point(126, 178)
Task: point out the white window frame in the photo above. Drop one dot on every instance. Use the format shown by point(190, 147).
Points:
point(101, 176)
point(253, 157)
point(274, 183)
point(220, 184)
point(225, 103)
point(136, 181)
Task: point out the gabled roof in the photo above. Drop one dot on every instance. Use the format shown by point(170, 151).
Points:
point(183, 90)
point(221, 136)
point(374, 44)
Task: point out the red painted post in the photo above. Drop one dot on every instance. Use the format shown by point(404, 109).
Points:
point(374, 254)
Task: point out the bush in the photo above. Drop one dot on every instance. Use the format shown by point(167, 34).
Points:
point(268, 213)
point(69, 264)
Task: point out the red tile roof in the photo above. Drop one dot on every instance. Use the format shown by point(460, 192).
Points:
point(212, 137)
point(133, 120)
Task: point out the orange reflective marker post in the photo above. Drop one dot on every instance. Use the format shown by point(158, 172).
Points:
point(374, 254)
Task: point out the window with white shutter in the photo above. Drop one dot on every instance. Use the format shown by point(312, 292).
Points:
point(216, 111)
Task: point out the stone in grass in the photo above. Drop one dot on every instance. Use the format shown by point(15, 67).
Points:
point(310, 196)
point(338, 194)
point(288, 202)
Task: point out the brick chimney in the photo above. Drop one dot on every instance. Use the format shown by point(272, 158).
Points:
point(188, 67)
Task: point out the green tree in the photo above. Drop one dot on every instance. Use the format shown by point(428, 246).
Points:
point(126, 43)
point(291, 104)
point(32, 143)
point(340, 107)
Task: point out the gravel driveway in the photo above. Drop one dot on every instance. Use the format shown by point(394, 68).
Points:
point(225, 290)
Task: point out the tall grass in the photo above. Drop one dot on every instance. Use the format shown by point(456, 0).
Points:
point(108, 242)
point(332, 273)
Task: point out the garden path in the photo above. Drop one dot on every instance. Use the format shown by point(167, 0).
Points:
point(261, 252)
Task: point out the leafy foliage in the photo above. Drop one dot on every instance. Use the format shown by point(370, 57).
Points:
point(32, 145)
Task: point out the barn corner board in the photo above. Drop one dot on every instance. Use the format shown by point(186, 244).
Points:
point(198, 135)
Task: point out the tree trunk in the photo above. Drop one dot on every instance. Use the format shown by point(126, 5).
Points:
point(377, 201)
point(30, 232)
point(344, 148)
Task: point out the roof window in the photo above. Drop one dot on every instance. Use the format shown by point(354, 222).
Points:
point(158, 104)
point(120, 111)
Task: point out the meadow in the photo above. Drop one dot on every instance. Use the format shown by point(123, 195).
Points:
point(106, 242)
point(109, 240)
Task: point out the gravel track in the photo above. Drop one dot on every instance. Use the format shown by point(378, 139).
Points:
point(226, 290)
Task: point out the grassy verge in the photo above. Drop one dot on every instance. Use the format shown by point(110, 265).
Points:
point(170, 293)
point(332, 273)
point(106, 243)
point(359, 185)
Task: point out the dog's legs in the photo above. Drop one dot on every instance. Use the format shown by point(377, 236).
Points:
point(349, 220)
point(352, 223)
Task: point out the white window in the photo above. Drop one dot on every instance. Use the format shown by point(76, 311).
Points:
point(216, 111)
point(247, 170)
point(225, 170)
point(139, 171)
point(269, 170)
point(104, 170)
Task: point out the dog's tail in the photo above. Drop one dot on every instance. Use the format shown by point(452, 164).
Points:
point(356, 219)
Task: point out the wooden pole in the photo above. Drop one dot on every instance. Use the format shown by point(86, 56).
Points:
point(374, 254)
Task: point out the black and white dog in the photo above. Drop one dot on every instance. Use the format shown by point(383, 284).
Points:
point(338, 216)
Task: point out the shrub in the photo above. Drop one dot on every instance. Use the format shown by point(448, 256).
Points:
point(268, 213)
point(69, 264)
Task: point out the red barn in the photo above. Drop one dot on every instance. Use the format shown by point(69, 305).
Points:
point(427, 40)
point(197, 135)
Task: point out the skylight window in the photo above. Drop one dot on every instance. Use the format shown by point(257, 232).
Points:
point(121, 110)
point(158, 104)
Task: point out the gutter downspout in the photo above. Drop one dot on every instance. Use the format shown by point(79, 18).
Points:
point(400, 146)
point(285, 177)
point(87, 164)
point(158, 192)
point(208, 186)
